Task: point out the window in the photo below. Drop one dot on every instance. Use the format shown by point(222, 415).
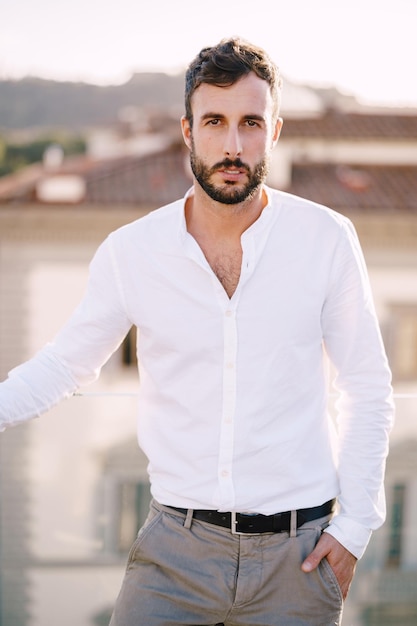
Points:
point(123, 496)
point(134, 499)
point(128, 348)
point(401, 340)
point(396, 526)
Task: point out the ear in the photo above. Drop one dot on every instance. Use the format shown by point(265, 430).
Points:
point(277, 131)
point(186, 131)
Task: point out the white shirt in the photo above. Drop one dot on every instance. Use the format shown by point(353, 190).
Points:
point(232, 409)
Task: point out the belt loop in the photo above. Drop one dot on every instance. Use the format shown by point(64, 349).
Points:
point(189, 518)
point(293, 524)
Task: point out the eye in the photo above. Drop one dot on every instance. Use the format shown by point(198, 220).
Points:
point(252, 123)
point(213, 122)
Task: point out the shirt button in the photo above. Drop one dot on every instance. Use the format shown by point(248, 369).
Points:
point(229, 313)
point(224, 473)
point(230, 365)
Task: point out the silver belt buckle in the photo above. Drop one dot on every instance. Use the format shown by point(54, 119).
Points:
point(234, 523)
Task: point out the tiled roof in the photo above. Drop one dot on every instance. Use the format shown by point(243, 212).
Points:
point(366, 187)
point(361, 126)
point(158, 178)
point(153, 179)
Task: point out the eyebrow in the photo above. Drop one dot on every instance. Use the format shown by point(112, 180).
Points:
point(220, 116)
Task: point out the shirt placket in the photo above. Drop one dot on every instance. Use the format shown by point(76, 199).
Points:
point(230, 354)
point(229, 307)
point(226, 446)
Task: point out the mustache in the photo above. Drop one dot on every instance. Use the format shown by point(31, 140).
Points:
point(231, 163)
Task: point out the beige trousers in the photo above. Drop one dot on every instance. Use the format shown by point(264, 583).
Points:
point(186, 572)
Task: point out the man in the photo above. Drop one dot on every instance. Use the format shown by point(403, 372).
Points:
point(238, 292)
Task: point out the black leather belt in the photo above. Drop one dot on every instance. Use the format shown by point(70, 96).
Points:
point(253, 524)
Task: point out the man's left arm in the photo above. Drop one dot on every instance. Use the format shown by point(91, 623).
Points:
point(354, 345)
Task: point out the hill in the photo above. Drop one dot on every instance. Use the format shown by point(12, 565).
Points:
point(39, 103)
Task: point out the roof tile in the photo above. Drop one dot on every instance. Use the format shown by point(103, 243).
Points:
point(366, 187)
point(342, 125)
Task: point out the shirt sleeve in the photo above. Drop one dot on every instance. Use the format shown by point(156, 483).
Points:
point(365, 408)
point(75, 357)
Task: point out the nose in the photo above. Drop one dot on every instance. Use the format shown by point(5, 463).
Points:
point(233, 143)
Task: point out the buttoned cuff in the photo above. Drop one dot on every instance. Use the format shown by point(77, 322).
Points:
point(350, 534)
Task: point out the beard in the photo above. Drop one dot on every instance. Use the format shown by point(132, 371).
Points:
point(229, 192)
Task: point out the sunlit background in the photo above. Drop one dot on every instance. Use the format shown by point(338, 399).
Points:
point(365, 47)
point(73, 484)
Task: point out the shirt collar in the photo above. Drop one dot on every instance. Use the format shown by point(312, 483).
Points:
point(263, 221)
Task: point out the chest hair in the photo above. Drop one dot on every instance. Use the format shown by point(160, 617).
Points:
point(226, 264)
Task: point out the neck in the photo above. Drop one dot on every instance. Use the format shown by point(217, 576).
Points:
point(204, 215)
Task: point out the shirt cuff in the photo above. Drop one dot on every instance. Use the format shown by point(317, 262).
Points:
point(350, 534)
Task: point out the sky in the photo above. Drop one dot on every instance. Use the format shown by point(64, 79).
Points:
point(367, 48)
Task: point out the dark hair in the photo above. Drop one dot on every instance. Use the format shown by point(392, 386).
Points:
point(224, 64)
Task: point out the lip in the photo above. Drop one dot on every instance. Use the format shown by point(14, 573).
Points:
point(232, 173)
